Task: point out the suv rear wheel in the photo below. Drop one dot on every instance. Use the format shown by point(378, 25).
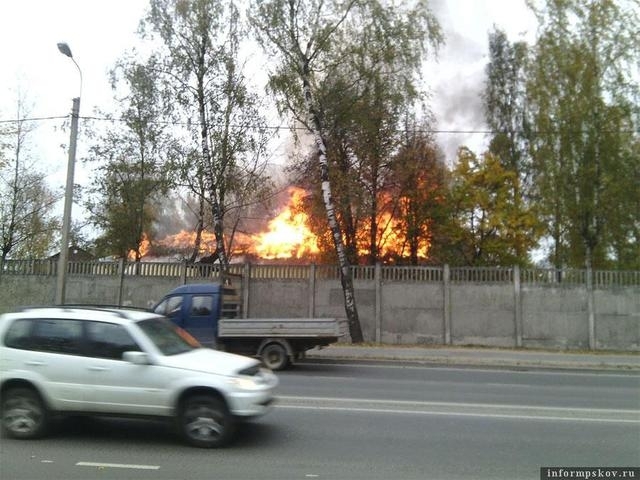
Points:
point(24, 414)
point(205, 421)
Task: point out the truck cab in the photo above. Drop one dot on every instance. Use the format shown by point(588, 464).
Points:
point(197, 308)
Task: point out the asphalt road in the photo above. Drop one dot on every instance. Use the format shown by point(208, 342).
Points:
point(377, 421)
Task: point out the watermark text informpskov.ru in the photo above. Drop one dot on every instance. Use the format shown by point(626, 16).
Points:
point(587, 473)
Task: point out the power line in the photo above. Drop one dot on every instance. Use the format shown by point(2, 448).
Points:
point(301, 128)
point(33, 119)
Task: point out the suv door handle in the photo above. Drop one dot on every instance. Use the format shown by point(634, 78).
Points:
point(98, 369)
point(34, 363)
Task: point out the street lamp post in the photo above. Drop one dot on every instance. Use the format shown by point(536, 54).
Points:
point(63, 260)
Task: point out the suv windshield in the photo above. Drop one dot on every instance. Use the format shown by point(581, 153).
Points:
point(167, 337)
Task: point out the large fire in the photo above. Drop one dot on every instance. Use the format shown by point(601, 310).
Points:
point(144, 249)
point(287, 236)
point(392, 239)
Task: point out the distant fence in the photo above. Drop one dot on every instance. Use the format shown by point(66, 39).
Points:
point(490, 275)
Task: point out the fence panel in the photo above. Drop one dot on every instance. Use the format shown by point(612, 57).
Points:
point(548, 276)
point(426, 274)
point(481, 275)
point(285, 272)
point(412, 274)
point(30, 267)
point(609, 278)
point(93, 268)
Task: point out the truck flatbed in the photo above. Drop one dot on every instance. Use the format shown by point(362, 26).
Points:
point(327, 328)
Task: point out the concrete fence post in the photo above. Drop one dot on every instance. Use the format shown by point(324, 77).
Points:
point(121, 267)
point(591, 309)
point(183, 272)
point(378, 307)
point(517, 304)
point(312, 290)
point(446, 310)
point(246, 280)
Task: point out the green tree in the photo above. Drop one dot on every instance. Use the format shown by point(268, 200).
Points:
point(506, 114)
point(381, 76)
point(300, 35)
point(132, 169)
point(623, 236)
point(354, 44)
point(200, 45)
point(583, 94)
point(27, 225)
point(362, 96)
point(484, 220)
point(419, 196)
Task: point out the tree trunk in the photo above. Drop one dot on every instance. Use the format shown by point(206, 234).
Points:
point(345, 268)
point(199, 229)
point(373, 230)
point(215, 205)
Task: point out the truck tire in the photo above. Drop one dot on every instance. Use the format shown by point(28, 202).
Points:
point(205, 421)
point(24, 414)
point(275, 357)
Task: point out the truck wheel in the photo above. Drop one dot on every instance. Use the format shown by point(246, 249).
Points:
point(205, 421)
point(274, 356)
point(24, 414)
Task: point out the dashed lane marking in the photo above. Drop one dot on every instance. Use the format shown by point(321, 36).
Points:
point(522, 412)
point(117, 465)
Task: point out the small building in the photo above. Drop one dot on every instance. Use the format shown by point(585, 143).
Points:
point(76, 254)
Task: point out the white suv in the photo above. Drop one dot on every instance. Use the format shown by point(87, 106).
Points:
point(108, 361)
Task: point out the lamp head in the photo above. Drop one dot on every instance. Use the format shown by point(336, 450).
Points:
point(64, 49)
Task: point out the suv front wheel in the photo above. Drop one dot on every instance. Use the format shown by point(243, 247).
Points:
point(24, 414)
point(205, 421)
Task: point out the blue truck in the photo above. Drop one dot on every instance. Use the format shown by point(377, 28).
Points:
point(212, 313)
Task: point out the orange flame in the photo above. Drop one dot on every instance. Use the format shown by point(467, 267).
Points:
point(144, 248)
point(392, 241)
point(288, 235)
point(185, 240)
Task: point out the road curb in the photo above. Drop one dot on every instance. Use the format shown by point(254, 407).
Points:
point(478, 358)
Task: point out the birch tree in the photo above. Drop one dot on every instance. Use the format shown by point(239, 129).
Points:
point(27, 225)
point(312, 41)
point(584, 94)
point(300, 33)
point(200, 42)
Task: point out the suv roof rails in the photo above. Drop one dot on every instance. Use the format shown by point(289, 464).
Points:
point(117, 309)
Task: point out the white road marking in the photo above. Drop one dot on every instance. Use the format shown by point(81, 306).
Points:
point(117, 465)
point(506, 368)
point(446, 404)
point(462, 414)
point(523, 412)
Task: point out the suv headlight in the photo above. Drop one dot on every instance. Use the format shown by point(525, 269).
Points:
point(245, 383)
point(250, 371)
point(252, 378)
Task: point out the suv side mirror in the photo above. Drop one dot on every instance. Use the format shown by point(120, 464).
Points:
point(137, 358)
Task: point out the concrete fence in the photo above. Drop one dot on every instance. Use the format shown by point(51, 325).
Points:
point(505, 307)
